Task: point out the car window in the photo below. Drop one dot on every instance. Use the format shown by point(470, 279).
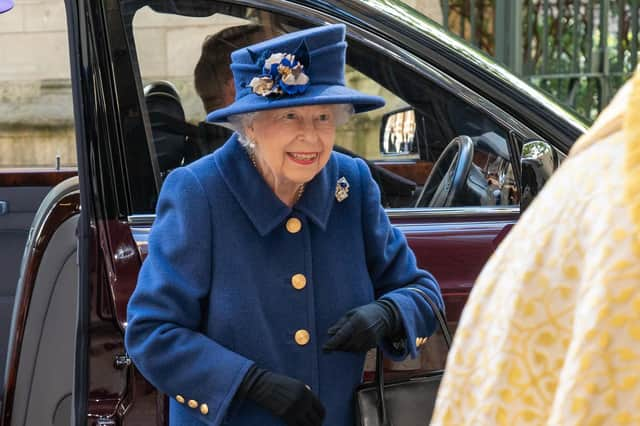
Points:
point(415, 146)
point(184, 71)
point(36, 106)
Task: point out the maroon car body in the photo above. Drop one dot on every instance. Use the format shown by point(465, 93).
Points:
point(112, 202)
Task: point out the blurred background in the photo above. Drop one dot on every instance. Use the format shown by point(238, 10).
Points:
point(578, 51)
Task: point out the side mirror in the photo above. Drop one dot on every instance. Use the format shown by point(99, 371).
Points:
point(5, 5)
point(538, 162)
point(398, 132)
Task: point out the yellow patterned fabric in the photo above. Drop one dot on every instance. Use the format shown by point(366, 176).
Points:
point(551, 332)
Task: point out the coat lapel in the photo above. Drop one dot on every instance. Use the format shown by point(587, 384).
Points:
point(260, 204)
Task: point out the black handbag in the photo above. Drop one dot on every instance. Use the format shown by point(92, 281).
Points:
point(406, 402)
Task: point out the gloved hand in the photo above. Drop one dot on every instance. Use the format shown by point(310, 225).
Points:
point(287, 398)
point(364, 327)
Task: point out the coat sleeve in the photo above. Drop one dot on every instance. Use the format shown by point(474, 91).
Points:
point(393, 270)
point(165, 312)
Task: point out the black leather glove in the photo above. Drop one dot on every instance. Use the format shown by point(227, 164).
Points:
point(287, 398)
point(364, 327)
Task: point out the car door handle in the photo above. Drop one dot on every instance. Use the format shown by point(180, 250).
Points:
point(4, 208)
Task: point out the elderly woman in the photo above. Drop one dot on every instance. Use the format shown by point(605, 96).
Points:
point(272, 266)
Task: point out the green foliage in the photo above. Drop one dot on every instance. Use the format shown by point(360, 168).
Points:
point(579, 51)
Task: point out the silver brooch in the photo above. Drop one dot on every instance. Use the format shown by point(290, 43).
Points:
point(342, 189)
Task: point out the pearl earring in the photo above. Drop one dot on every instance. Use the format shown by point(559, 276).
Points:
point(251, 144)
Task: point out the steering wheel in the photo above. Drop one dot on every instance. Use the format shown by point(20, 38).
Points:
point(449, 174)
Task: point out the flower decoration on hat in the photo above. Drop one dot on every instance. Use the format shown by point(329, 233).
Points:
point(282, 73)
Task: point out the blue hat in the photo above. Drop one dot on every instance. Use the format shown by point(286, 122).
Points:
point(301, 68)
point(5, 5)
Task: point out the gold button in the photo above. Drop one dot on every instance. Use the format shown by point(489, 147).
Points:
point(180, 399)
point(294, 225)
point(204, 409)
point(192, 403)
point(302, 337)
point(299, 281)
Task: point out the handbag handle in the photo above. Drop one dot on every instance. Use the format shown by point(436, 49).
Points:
point(379, 375)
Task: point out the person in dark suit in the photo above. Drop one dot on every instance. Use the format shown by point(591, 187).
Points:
point(213, 80)
point(212, 77)
point(272, 266)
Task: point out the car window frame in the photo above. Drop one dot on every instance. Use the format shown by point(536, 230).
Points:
point(417, 65)
point(429, 71)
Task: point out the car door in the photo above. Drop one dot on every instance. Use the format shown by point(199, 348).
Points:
point(22, 190)
point(18, 205)
point(138, 43)
point(37, 143)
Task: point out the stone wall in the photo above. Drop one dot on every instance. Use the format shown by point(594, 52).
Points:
point(36, 110)
point(429, 8)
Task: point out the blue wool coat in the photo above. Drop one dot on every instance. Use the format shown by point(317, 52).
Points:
point(216, 292)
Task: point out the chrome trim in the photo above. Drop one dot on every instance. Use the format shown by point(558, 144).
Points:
point(141, 219)
point(453, 211)
point(147, 219)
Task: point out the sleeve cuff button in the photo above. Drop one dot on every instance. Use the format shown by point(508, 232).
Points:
point(204, 409)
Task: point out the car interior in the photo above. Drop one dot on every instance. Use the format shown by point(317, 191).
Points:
point(405, 174)
point(21, 206)
point(45, 350)
point(178, 142)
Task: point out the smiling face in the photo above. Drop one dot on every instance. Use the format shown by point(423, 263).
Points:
point(293, 144)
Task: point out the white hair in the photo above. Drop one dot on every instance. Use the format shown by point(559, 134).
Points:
point(240, 122)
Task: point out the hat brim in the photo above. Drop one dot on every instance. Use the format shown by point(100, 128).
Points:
point(314, 95)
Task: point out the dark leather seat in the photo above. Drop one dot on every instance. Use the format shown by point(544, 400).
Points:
point(177, 141)
point(165, 112)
